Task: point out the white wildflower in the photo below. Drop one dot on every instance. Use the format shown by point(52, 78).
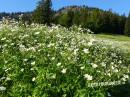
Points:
point(108, 94)
point(79, 28)
point(126, 76)
point(26, 35)
point(75, 51)
point(86, 51)
point(82, 67)
point(116, 70)
point(32, 69)
point(53, 76)
point(90, 43)
point(69, 58)
point(108, 74)
point(112, 63)
point(2, 78)
point(120, 62)
point(31, 49)
point(98, 71)
point(58, 64)
point(53, 58)
point(3, 38)
point(6, 61)
point(88, 77)
point(22, 48)
point(36, 33)
point(50, 45)
point(12, 44)
point(33, 63)
point(7, 69)
point(8, 78)
point(22, 70)
point(63, 70)
point(2, 88)
point(33, 79)
point(88, 30)
point(94, 65)
point(112, 68)
point(103, 64)
point(35, 40)
point(25, 60)
point(124, 79)
point(5, 45)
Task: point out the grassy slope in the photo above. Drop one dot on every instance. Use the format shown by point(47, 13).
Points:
point(123, 41)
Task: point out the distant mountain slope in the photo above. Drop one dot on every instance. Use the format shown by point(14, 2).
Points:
point(98, 20)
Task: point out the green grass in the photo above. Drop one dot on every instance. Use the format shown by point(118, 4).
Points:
point(123, 41)
point(114, 37)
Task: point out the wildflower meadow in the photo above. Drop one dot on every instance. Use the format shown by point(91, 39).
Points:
point(54, 61)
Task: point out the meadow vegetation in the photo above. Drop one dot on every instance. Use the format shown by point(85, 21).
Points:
point(120, 40)
point(52, 61)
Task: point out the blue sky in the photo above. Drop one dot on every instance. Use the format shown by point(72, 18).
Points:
point(119, 6)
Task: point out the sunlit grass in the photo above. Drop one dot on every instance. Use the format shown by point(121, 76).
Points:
point(121, 40)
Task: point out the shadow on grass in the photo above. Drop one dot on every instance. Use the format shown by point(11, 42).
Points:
point(120, 91)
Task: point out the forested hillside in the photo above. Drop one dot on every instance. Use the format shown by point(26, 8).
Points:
point(98, 20)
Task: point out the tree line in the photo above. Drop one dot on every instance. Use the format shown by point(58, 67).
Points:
point(98, 20)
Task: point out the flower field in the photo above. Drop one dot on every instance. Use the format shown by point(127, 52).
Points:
point(41, 61)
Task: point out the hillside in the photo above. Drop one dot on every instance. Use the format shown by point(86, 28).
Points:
point(120, 40)
point(42, 61)
point(93, 18)
point(98, 20)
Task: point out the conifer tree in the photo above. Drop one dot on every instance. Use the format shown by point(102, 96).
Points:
point(43, 13)
point(127, 26)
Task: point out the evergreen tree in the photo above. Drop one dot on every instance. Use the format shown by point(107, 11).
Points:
point(66, 19)
point(70, 16)
point(127, 26)
point(122, 22)
point(43, 13)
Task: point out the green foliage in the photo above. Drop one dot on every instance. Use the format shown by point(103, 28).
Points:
point(127, 26)
point(99, 21)
point(43, 61)
point(66, 19)
point(43, 12)
point(93, 18)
